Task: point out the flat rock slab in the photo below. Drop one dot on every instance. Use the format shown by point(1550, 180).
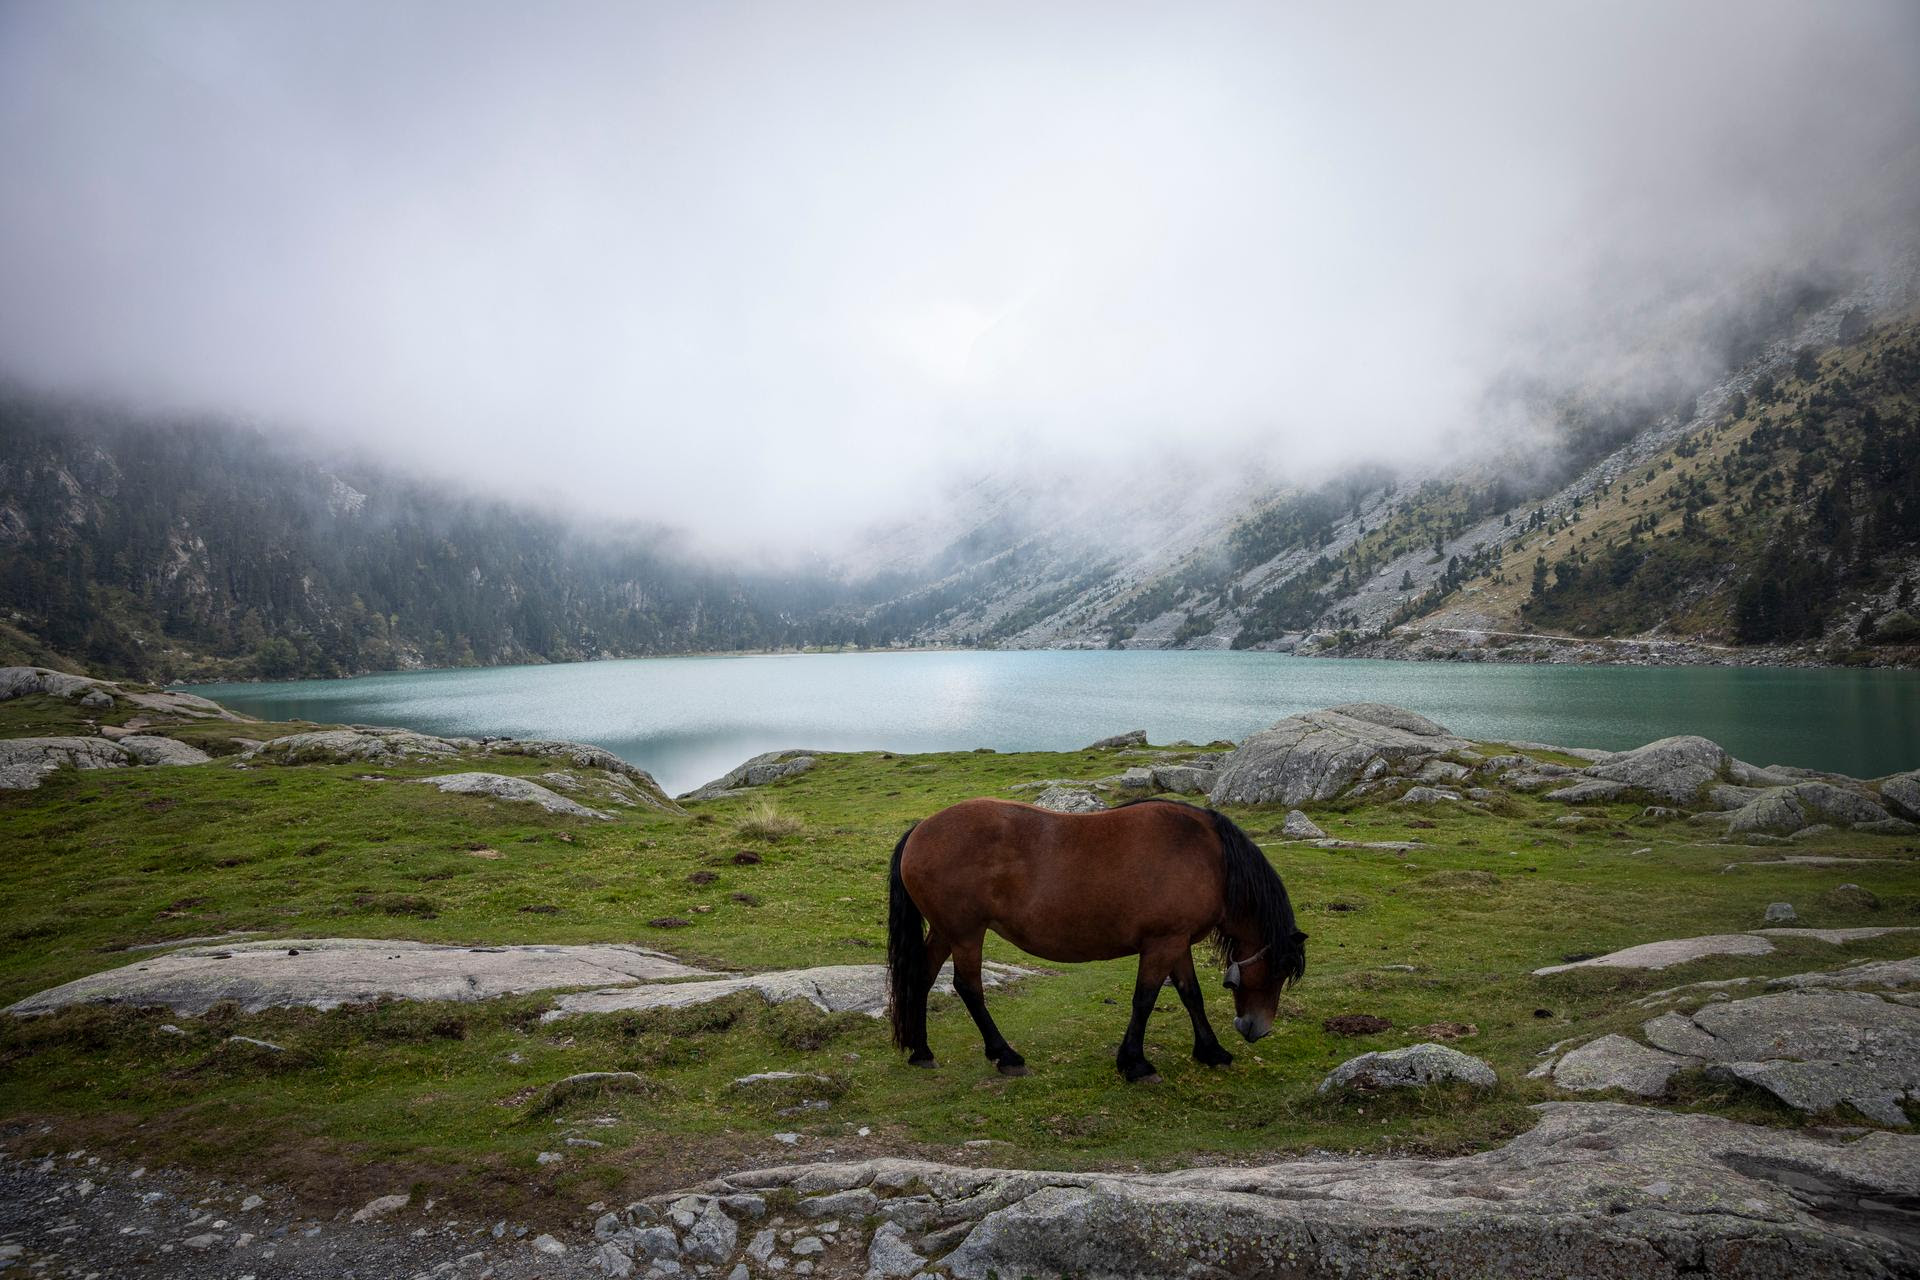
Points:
point(1816, 1044)
point(1873, 973)
point(1811, 1049)
point(1837, 936)
point(323, 973)
point(1615, 1062)
point(1804, 860)
point(833, 988)
point(363, 743)
point(25, 761)
point(151, 749)
point(1594, 1189)
point(1391, 846)
point(1887, 975)
point(518, 790)
point(1661, 955)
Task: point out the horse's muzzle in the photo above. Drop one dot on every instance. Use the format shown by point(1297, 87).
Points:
point(1248, 1031)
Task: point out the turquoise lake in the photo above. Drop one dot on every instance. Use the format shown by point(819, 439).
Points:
point(688, 720)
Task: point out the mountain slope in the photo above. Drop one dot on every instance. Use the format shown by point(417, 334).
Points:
point(1766, 512)
point(1662, 515)
point(164, 549)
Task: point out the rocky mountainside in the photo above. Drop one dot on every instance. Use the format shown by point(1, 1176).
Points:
point(1763, 512)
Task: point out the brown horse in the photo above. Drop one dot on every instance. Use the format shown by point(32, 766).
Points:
point(1149, 878)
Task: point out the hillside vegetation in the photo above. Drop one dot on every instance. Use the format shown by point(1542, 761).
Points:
point(163, 549)
point(1772, 516)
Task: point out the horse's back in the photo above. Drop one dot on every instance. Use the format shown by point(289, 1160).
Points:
point(1066, 886)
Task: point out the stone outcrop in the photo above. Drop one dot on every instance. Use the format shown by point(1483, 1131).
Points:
point(1594, 1189)
point(1814, 1049)
point(1901, 793)
point(1698, 774)
point(518, 790)
point(1590, 791)
point(22, 682)
point(1299, 826)
point(1615, 1062)
point(322, 973)
point(768, 766)
point(25, 761)
point(833, 988)
point(1662, 955)
point(1319, 754)
point(172, 702)
point(100, 695)
point(581, 755)
point(1131, 738)
point(1185, 779)
point(149, 748)
point(1784, 810)
point(1677, 769)
point(1069, 799)
point(356, 745)
point(623, 783)
point(1413, 1067)
point(1429, 795)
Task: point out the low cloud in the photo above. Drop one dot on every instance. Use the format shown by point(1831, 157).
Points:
point(777, 275)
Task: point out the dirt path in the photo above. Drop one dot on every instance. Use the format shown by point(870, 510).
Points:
point(74, 1215)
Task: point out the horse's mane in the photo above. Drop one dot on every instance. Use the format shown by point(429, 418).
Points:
point(1254, 891)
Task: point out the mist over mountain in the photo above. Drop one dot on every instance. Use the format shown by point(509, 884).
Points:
point(1775, 507)
point(652, 331)
point(778, 279)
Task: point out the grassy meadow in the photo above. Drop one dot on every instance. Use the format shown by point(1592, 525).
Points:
point(449, 1098)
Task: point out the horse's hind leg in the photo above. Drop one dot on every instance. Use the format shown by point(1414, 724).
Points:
point(1206, 1046)
point(966, 981)
point(920, 1054)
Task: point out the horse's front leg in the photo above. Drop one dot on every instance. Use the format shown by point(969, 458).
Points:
point(1206, 1046)
point(966, 982)
point(1156, 961)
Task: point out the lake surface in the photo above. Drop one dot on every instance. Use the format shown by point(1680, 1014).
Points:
point(688, 720)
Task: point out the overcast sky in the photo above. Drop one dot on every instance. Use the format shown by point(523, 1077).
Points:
point(750, 268)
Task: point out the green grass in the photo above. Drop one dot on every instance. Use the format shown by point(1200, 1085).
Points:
point(449, 1097)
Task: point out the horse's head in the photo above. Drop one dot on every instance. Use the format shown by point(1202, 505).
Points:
point(1256, 983)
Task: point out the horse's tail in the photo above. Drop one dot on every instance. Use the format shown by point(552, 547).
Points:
point(907, 976)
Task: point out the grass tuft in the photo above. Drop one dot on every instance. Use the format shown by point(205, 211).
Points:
point(762, 820)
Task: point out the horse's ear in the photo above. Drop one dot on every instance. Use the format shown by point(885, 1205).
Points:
point(1299, 936)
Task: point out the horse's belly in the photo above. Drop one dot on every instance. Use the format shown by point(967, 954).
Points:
point(1067, 947)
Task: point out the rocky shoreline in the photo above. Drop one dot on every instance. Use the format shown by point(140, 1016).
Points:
point(1594, 1189)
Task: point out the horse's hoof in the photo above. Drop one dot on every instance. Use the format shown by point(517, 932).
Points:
point(926, 1062)
point(1013, 1068)
point(1152, 1077)
point(1218, 1058)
